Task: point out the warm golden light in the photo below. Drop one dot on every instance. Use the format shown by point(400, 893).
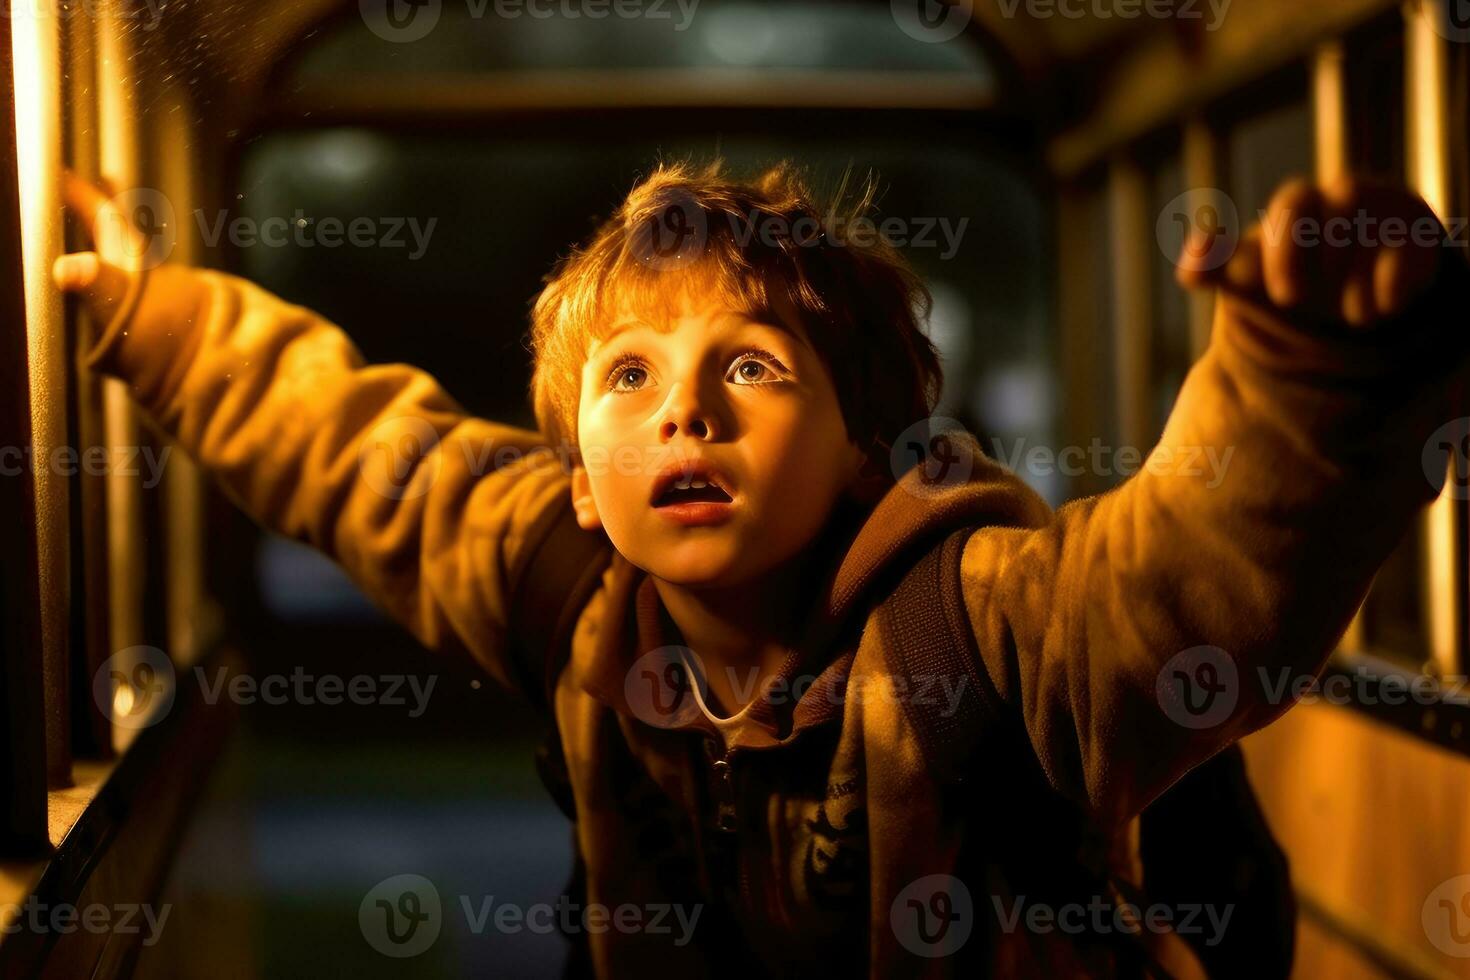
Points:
point(36, 50)
point(1427, 85)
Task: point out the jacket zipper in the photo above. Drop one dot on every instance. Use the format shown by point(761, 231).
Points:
point(725, 793)
point(727, 813)
point(726, 817)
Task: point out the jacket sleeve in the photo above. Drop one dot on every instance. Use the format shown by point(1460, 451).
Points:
point(1142, 630)
point(429, 510)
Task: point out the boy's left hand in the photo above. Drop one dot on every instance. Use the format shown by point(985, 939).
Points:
point(1352, 253)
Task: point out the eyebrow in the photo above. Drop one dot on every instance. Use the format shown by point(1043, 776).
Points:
point(746, 317)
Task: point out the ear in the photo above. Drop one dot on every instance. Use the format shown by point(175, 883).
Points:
point(582, 501)
point(868, 483)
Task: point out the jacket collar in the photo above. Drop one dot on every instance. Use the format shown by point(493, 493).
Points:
point(873, 547)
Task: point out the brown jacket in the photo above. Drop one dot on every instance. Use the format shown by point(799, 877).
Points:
point(834, 825)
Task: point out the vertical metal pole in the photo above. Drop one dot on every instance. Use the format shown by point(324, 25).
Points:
point(1330, 126)
point(36, 48)
point(1132, 228)
point(91, 606)
point(188, 616)
point(117, 130)
point(1427, 81)
point(23, 751)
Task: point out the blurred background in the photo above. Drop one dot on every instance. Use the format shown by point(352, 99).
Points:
point(1040, 162)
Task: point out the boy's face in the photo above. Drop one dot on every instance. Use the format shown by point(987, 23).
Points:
point(751, 399)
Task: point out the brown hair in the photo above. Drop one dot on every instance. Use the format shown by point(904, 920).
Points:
point(859, 301)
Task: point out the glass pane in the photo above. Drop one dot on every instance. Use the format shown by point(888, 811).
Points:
point(1170, 353)
point(1267, 148)
point(510, 35)
point(1375, 91)
point(467, 226)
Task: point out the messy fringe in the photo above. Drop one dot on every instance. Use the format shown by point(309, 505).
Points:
point(746, 243)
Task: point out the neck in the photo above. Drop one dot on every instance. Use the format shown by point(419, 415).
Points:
point(744, 633)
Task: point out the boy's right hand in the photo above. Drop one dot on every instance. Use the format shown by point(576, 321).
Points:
point(101, 277)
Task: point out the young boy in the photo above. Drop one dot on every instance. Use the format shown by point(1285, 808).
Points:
point(723, 388)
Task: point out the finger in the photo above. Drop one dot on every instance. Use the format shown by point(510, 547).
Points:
point(1358, 304)
point(101, 284)
point(1404, 238)
point(75, 272)
point(1290, 268)
point(1208, 245)
point(1243, 274)
point(85, 199)
point(1401, 275)
point(1197, 266)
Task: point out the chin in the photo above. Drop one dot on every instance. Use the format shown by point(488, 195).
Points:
point(699, 564)
point(694, 574)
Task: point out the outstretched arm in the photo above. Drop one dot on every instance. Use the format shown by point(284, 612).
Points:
point(1144, 629)
point(428, 509)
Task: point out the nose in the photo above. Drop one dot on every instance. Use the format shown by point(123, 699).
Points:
point(688, 413)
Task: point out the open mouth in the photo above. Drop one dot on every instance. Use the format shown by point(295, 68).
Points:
point(691, 492)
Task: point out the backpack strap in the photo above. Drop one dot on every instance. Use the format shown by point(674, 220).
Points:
point(930, 636)
point(928, 632)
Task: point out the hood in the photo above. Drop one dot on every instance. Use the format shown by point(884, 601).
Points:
point(870, 549)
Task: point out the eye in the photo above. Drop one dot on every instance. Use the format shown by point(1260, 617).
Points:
point(756, 366)
point(627, 375)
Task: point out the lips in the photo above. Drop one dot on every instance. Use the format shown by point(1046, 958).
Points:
point(695, 481)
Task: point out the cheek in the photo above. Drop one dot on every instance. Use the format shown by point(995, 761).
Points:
point(799, 456)
point(618, 469)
